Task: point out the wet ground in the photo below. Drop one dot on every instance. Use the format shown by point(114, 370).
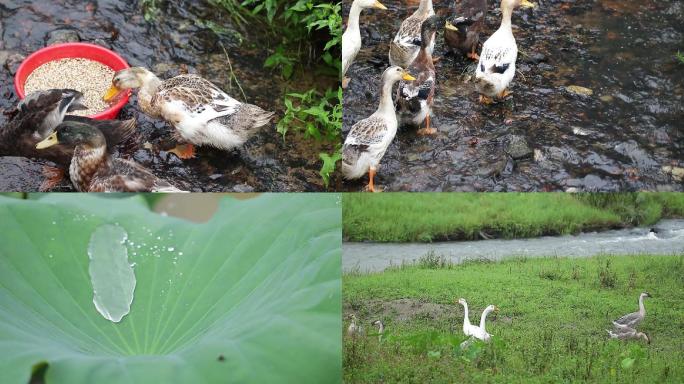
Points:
point(665, 238)
point(176, 41)
point(627, 135)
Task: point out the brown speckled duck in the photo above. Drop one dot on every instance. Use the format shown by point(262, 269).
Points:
point(92, 169)
point(406, 44)
point(462, 32)
point(201, 113)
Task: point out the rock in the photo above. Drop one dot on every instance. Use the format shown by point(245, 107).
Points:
point(3, 57)
point(59, 36)
point(607, 98)
point(517, 147)
point(580, 131)
point(576, 89)
point(677, 173)
point(13, 61)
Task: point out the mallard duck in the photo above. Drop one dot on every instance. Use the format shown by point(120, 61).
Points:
point(496, 67)
point(631, 320)
point(38, 115)
point(92, 169)
point(414, 98)
point(369, 138)
point(406, 44)
point(201, 113)
point(473, 330)
point(351, 39)
point(462, 32)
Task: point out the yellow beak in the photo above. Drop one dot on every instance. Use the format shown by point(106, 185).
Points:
point(408, 76)
point(48, 142)
point(527, 4)
point(112, 92)
point(450, 26)
point(379, 5)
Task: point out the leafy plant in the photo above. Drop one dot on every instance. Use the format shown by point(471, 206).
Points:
point(213, 302)
point(150, 9)
point(680, 57)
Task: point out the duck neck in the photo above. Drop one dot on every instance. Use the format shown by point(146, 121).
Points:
point(484, 318)
point(507, 13)
point(84, 163)
point(386, 104)
point(354, 13)
point(425, 7)
point(466, 319)
point(150, 85)
point(642, 309)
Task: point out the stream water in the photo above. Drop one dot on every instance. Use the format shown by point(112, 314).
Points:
point(178, 40)
point(668, 238)
point(628, 135)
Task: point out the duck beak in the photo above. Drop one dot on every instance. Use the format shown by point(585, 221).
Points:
point(379, 5)
point(48, 142)
point(408, 76)
point(77, 105)
point(527, 4)
point(112, 92)
point(450, 26)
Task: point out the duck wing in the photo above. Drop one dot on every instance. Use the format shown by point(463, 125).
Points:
point(127, 176)
point(628, 320)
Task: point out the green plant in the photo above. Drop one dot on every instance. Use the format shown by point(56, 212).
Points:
point(150, 9)
point(213, 302)
point(680, 57)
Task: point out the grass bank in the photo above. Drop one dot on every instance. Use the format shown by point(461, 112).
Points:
point(425, 217)
point(550, 327)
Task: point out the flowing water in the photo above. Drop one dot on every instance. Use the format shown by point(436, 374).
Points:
point(178, 40)
point(628, 135)
point(667, 237)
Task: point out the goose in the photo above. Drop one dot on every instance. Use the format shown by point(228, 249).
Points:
point(496, 67)
point(381, 328)
point(354, 329)
point(369, 138)
point(627, 333)
point(351, 39)
point(406, 44)
point(473, 330)
point(631, 320)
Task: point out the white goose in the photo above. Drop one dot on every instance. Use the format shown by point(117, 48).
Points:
point(496, 68)
point(354, 329)
point(473, 330)
point(351, 39)
point(631, 320)
point(381, 328)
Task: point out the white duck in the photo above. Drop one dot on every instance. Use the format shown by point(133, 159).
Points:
point(406, 44)
point(351, 39)
point(496, 67)
point(381, 328)
point(354, 329)
point(369, 138)
point(473, 330)
point(631, 320)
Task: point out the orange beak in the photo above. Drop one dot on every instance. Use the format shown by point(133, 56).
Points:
point(112, 93)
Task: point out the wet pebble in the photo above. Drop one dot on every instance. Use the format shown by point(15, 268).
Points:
point(579, 90)
point(516, 147)
point(60, 36)
point(13, 61)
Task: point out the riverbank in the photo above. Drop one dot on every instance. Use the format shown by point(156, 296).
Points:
point(550, 327)
point(407, 217)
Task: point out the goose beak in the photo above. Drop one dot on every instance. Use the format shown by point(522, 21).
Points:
point(406, 76)
point(379, 5)
point(112, 92)
point(48, 142)
point(527, 4)
point(450, 26)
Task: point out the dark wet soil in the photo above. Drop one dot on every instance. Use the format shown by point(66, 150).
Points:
point(175, 42)
point(627, 135)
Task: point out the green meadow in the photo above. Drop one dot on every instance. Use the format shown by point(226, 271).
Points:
point(550, 327)
point(425, 217)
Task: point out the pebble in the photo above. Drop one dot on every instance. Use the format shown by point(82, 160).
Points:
point(578, 90)
point(60, 36)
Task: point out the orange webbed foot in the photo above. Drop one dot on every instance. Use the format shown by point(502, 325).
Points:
point(184, 151)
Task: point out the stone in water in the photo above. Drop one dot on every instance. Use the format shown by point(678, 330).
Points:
point(111, 274)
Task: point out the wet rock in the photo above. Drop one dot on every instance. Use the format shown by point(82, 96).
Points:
point(594, 183)
point(536, 58)
point(607, 98)
point(517, 147)
point(242, 188)
point(60, 36)
point(3, 57)
point(578, 90)
point(677, 173)
point(13, 61)
point(624, 98)
point(637, 155)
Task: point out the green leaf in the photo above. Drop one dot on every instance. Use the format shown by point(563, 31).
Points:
point(328, 167)
point(627, 363)
point(253, 295)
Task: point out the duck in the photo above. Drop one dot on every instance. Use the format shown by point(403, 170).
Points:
point(381, 329)
point(93, 169)
point(627, 333)
point(414, 98)
point(472, 330)
point(200, 112)
point(462, 32)
point(406, 44)
point(351, 39)
point(37, 116)
point(354, 329)
point(368, 139)
point(496, 67)
point(631, 320)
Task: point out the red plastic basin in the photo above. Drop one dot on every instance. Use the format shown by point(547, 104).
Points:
point(76, 51)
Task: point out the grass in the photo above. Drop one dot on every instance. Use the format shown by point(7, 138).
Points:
point(550, 328)
point(408, 217)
